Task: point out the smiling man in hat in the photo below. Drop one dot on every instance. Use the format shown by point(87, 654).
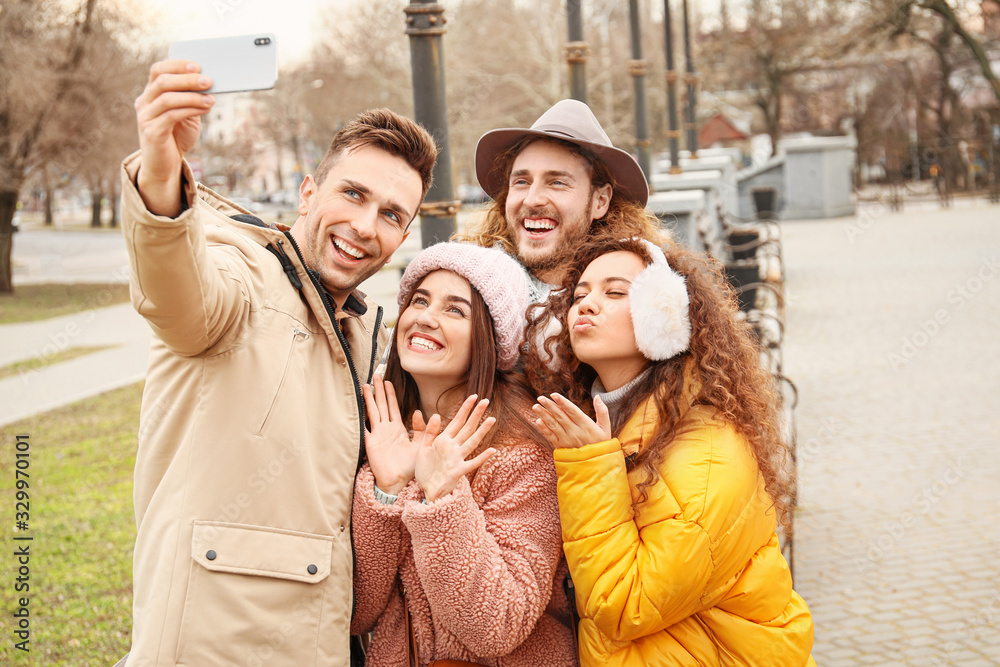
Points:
point(555, 184)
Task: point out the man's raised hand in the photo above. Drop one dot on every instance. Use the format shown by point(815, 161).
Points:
point(169, 118)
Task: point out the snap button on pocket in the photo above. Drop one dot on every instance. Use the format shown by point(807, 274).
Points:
point(312, 569)
point(210, 555)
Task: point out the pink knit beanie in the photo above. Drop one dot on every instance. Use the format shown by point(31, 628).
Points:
point(498, 278)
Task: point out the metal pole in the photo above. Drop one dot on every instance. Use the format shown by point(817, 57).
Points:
point(914, 152)
point(691, 79)
point(576, 51)
point(425, 26)
point(638, 69)
point(673, 133)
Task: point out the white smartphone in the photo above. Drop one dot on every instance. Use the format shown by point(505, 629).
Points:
point(243, 62)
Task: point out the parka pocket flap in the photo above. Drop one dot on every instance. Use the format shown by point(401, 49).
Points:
point(261, 551)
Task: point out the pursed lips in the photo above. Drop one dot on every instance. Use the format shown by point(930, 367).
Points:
point(583, 324)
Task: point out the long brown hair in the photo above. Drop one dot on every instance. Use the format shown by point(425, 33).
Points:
point(723, 355)
point(509, 395)
point(624, 219)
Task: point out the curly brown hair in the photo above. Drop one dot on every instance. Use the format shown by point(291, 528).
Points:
point(723, 368)
point(625, 218)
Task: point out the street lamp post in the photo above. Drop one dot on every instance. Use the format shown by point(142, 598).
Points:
point(576, 51)
point(425, 26)
point(691, 79)
point(673, 133)
point(638, 69)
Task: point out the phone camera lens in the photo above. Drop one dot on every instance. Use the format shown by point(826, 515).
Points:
point(261, 41)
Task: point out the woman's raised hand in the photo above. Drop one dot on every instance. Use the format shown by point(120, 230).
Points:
point(441, 457)
point(391, 452)
point(566, 425)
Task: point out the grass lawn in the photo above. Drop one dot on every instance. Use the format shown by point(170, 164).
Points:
point(81, 462)
point(35, 363)
point(29, 303)
point(76, 221)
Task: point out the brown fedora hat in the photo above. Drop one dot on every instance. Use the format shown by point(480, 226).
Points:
point(569, 120)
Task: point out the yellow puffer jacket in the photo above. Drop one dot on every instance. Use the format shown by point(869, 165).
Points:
point(692, 576)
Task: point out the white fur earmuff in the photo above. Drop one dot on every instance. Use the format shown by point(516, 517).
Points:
point(659, 304)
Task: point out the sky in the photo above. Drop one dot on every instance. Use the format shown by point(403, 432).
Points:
point(290, 21)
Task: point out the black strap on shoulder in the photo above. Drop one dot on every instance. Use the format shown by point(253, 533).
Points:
point(249, 219)
point(286, 264)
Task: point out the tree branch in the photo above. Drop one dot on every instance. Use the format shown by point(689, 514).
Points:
point(74, 56)
point(944, 10)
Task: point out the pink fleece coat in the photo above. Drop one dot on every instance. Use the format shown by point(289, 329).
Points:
point(482, 567)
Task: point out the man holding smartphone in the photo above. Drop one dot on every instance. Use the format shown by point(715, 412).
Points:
point(252, 423)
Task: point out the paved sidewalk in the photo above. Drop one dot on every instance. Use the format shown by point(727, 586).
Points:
point(55, 385)
point(50, 256)
point(892, 338)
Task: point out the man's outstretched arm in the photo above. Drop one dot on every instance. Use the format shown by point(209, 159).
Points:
point(190, 295)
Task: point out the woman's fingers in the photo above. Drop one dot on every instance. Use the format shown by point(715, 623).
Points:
point(472, 422)
point(568, 426)
point(570, 409)
point(547, 433)
point(556, 413)
point(474, 464)
point(469, 444)
point(419, 425)
point(383, 409)
point(370, 406)
point(390, 399)
point(547, 421)
point(461, 416)
point(603, 417)
point(432, 429)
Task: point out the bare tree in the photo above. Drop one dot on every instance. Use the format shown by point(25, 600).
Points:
point(39, 58)
point(940, 27)
point(893, 18)
point(95, 126)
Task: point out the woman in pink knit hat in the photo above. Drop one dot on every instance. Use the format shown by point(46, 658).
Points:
point(456, 525)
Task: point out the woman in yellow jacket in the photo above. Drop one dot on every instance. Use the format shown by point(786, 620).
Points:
point(671, 488)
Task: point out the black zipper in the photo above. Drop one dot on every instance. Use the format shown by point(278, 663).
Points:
point(331, 311)
point(371, 369)
point(354, 376)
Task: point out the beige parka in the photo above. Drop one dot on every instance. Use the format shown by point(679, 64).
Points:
point(250, 436)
